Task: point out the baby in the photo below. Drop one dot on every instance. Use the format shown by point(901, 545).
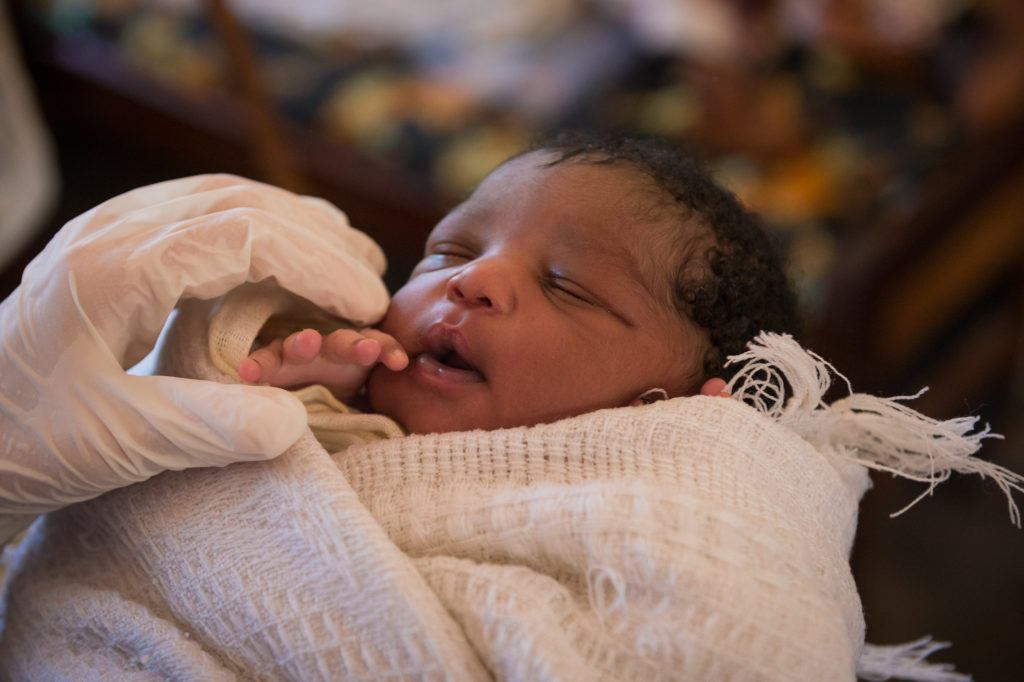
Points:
point(586, 273)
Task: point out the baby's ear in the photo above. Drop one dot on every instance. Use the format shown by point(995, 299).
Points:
point(651, 395)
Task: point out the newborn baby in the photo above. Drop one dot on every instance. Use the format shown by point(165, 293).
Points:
point(586, 273)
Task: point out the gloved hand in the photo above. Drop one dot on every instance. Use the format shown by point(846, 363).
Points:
point(73, 424)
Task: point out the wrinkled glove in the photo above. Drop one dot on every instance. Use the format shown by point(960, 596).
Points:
point(73, 424)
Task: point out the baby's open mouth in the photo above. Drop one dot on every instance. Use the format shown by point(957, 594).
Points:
point(446, 358)
point(448, 365)
point(453, 359)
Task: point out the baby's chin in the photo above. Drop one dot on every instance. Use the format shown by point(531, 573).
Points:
point(415, 421)
point(386, 394)
point(424, 417)
point(418, 412)
point(375, 401)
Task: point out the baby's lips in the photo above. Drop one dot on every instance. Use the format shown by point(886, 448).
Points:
point(437, 372)
point(442, 337)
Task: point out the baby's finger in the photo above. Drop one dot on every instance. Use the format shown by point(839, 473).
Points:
point(301, 348)
point(249, 370)
point(392, 355)
point(715, 387)
point(348, 345)
point(262, 364)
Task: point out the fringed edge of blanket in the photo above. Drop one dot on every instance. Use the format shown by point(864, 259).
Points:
point(906, 662)
point(787, 383)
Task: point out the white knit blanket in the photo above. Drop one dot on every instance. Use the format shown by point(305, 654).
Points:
point(692, 539)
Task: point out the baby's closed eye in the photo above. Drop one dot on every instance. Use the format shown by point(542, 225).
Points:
point(570, 290)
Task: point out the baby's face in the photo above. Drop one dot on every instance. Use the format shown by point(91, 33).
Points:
point(542, 296)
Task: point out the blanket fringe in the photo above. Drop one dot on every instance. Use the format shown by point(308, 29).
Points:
point(878, 433)
point(906, 662)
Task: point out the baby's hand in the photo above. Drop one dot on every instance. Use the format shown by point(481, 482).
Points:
point(341, 361)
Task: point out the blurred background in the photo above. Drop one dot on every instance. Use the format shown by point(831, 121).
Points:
point(882, 141)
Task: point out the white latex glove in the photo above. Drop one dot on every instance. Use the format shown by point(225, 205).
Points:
point(73, 424)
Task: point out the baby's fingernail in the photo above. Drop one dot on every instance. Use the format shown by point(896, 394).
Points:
point(367, 351)
point(304, 340)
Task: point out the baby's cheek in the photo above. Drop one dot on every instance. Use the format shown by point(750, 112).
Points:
point(606, 379)
point(389, 325)
point(555, 392)
point(377, 392)
point(374, 395)
point(412, 303)
point(396, 395)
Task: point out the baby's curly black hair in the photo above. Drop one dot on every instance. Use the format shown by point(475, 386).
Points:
point(741, 287)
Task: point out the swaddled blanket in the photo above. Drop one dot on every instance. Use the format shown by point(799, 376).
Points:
point(692, 539)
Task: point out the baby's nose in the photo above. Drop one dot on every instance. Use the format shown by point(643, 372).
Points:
point(483, 285)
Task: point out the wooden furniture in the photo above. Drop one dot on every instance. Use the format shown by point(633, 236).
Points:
point(933, 295)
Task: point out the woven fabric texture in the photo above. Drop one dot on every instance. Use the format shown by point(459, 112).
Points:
point(690, 539)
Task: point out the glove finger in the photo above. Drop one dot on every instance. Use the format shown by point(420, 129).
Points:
point(217, 194)
point(193, 423)
point(268, 245)
point(142, 219)
point(213, 254)
point(101, 218)
point(114, 211)
point(183, 195)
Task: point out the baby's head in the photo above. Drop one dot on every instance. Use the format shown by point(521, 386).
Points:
point(576, 277)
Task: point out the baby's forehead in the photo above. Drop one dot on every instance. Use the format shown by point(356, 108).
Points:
point(578, 189)
point(612, 217)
